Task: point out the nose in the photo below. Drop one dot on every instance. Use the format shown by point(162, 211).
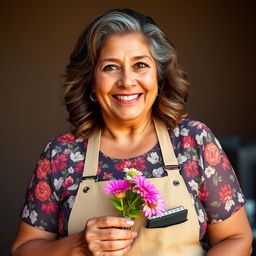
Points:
point(126, 79)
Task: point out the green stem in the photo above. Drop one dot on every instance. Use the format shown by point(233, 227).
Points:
point(130, 205)
point(122, 205)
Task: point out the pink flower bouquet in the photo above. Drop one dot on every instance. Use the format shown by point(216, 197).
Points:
point(134, 195)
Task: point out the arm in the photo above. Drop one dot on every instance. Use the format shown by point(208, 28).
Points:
point(98, 236)
point(231, 237)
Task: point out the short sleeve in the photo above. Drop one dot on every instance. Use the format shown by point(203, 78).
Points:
point(41, 204)
point(219, 190)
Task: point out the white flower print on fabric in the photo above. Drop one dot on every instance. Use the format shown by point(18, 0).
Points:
point(218, 143)
point(79, 140)
point(192, 198)
point(33, 216)
point(153, 158)
point(58, 182)
point(176, 132)
point(193, 185)
point(47, 146)
point(67, 151)
point(229, 204)
point(76, 157)
point(25, 212)
point(73, 187)
point(54, 152)
point(201, 216)
point(158, 172)
point(199, 139)
point(240, 197)
point(71, 201)
point(181, 158)
point(201, 162)
point(204, 133)
point(216, 221)
point(209, 171)
point(56, 196)
point(71, 170)
point(184, 132)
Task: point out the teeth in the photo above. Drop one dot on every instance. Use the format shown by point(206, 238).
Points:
point(131, 97)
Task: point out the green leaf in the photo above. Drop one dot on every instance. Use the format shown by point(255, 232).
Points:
point(216, 179)
point(232, 178)
point(134, 214)
point(216, 203)
point(137, 205)
point(117, 204)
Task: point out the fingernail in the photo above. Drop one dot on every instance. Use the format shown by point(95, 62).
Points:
point(130, 222)
point(134, 234)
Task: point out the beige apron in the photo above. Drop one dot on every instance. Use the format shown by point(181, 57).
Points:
point(91, 201)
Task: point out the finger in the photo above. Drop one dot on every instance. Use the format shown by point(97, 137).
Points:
point(110, 221)
point(109, 245)
point(116, 253)
point(110, 234)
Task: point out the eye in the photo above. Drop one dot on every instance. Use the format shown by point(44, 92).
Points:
point(111, 67)
point(141, 65)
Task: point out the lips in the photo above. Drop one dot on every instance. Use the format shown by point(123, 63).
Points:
point(127, 98)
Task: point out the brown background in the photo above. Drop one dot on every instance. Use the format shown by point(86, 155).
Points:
point(215, 41)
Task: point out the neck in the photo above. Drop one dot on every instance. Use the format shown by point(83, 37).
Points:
point(127, 129)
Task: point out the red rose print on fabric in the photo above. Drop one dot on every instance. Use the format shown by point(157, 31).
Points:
point(79, 167)
point(225, 163)
point(31, 196)
point(61, 222)
point(43, 168)
point(59, 163)
point(202, 194)
point(65, 194)
point(49, 208)
point(69, 181)
point(107, 176)
point(188, 142)
point(69, 137)
point(123, 164)
point(42, 190)
point(138, 163)
point(225, 193)
point(191, 169)
point(212, 154)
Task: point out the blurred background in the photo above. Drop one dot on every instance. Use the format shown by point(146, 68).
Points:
point(216, 44)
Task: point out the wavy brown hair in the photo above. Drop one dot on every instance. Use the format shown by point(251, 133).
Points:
point(84, 114)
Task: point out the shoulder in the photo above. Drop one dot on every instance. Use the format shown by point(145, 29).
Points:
point(64, 141)
point(187, 128)
point(190, 126)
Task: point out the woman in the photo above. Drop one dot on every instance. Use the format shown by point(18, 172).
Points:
point(123, 84)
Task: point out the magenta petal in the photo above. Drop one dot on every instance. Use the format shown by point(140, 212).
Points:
point(117, 186)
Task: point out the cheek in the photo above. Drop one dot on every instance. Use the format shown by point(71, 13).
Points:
point(102, 85)
point(151, 84)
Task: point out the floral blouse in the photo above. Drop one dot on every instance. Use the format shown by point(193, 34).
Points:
point(205, 168)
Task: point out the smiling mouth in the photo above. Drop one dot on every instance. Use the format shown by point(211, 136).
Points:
point(127, 99)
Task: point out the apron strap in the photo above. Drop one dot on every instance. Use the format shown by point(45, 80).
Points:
point(169, 158)
point(92, 152)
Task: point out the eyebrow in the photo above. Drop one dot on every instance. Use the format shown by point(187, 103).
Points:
point(134, 58)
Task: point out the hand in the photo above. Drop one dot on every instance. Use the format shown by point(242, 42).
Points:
point(105, 238)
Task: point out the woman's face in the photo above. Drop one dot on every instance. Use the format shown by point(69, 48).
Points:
point(125, 78)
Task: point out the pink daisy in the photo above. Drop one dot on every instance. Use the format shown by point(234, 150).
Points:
point(147, 190)
point(154, 209)
point(117, 188)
